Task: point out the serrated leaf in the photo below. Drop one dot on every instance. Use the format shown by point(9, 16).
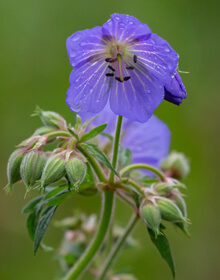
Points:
point(163, 247)
point(93, 133)
point(124, 157)
point(42, 226)
point(73, 133)
point(29, 207)
point(94, 151)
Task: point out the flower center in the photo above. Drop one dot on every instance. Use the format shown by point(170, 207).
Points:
point(120, 62)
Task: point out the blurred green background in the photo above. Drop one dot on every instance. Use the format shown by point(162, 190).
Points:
point(34, 71)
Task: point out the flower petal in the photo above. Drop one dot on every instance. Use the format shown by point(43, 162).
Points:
point(156, 55)
point(149, 142)
point(125, 28)
point(175, 90)
point(83, 45)
point(89, 87)
point(137, 98)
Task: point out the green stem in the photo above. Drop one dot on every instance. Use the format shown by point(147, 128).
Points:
point(88, 255)
point(143, 166)
point(116, 145)
point(134, 184)
point(118, 246)
point(93, 163)
point(58, 133)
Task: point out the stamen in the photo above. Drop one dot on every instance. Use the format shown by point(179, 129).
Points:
point(127, 78)
point(111, 68)
point(118, 79)
point(109, 74)
point(135, 59)
point(130, 68)
point(111, 59)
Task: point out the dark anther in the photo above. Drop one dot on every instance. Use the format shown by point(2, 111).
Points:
point(130, 67)
point(118, 79)
point(111, 59)
point(135, 59)
point(127, 78)
point(110, 67)
point(109, 74)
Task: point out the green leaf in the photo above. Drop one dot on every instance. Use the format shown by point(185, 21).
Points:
point(86, 123)
point(31, 224)
point(125, 157)
point(93, 133)
point(73, 133)
point(54, 192)
point(94, 151)
point(57, 196)
point(59, 199)
point(29, 207)
point(42, 226)
point(163, 247)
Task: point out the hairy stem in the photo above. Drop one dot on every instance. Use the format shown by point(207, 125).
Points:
point(116, 145)
point(143, 166)
point(118, 246)
point(87, 256)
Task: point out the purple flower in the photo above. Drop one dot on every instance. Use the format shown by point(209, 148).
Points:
point(175, 90)
point(122, 62)
point(149, 142)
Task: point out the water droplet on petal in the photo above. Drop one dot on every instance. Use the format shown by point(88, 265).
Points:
point(148, 91)
point(130, 22)
point(75, 38)
point(118, 18)
point(97, 101)
point(166, 48)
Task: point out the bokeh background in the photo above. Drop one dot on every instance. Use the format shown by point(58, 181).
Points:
point(34, 70)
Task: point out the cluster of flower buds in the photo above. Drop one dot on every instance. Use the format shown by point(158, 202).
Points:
point(164, 201)
point(37, 167)
point(175, 165)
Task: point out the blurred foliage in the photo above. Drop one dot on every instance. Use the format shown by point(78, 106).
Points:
point(35, 70)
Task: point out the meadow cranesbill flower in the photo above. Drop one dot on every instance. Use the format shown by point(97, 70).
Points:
point(149, 142)
point(122, 62)
point(175, 90)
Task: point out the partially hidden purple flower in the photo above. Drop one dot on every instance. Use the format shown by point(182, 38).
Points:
point(149, 142)
point(122, 62)
point(175, 90)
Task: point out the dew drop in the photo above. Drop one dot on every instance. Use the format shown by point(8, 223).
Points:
point(166, 48)
point(97, 101)
point(130, 22)
point(76, 38)
point(153, 41)
point(148, 91)
point(118, 18)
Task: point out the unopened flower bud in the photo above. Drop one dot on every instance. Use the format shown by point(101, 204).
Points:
point(76, 170)
point(54, 170)
point(151, 215)
point(50, 118)
point(13, 168)
point(176, 165)
point(31, 168)
point(169, 211)
point(163, 188)
point(43, 130)
point(180, 202)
